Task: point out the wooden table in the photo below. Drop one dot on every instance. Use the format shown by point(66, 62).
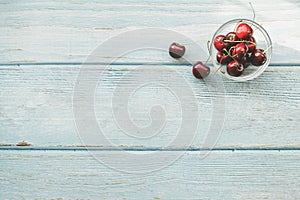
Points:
point(43, 45)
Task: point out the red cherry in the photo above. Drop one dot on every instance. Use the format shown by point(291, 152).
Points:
point(219, 43)
point(251, 45)
point(200, 70)
point(176, 50)
point(239, 51)
point(258, 57)
point(223, 58)
point(234, 68)
point(244, 31)
point(245, 61)
point(232, 38)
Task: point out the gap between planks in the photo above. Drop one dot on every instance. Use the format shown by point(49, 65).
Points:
point(121, 63)
point(83, 148)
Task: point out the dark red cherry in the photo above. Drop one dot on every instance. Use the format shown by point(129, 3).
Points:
point(231, 38)
point(200, 70)
point(239, 51)
point(223, 58)
point(251, 44)
point(219, 43)
point(245, 61)
point(258, 57)
point(176, 50)
point(244, 31)
point(234, 68)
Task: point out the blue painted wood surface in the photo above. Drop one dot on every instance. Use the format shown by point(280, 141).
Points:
point(67, 31)
point(222, 175)
point(36, 106)
point(42, 46)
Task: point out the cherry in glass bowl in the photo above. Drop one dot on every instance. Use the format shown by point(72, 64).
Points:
point(240, 55)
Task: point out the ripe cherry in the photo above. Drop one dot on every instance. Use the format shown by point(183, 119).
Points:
point(234, 68)
point(245, 61)
point(258, 57)
point(176, 50)
point(239, 51)
point(244, 31)
point(219, 43)
point(231, 38)
point(223, 58)
point(200, 70)
point(251, 44)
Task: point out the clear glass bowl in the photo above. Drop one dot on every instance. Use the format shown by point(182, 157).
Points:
point(263, 41)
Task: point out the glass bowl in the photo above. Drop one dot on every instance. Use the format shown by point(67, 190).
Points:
point(263, 41)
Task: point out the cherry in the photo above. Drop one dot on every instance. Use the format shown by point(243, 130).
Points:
point(219, 43)
point(176, 50)
point(234, 68)
point(239, 51)
point(245, 61)
point(200, 70)
point(231, 38)
point(223, 58)
point(244, 31)
point(258, 57)
point(251, 44)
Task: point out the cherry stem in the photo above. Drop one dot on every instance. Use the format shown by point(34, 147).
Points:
point(244, 41)
point(218, 68)
point(228, 53)
point(208, 48)
point(253, 19)
point(207, 45)
point(269, 47)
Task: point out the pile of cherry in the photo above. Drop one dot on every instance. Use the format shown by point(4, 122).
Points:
point(237, 50)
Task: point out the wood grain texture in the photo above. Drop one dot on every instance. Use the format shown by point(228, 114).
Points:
point(36, 106)
point(42, 46)
point(68, 31)
point(221, 175)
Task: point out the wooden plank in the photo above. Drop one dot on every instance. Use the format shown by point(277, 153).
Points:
point(36, 106)
point(68, 31)
point(221, 175)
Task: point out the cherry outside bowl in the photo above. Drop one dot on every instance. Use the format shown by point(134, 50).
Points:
point(263, 41)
